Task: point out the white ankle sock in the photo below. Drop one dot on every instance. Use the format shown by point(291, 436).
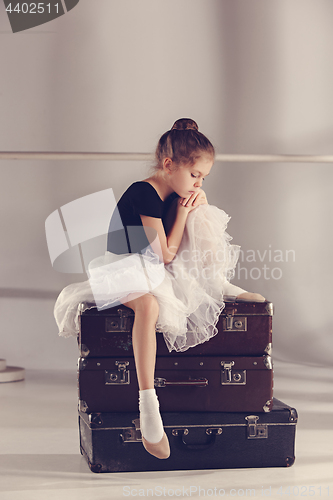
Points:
point(151, 424)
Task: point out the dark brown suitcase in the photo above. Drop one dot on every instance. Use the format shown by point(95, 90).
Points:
point(111, 442)
point(244, 329)
point(198, 383)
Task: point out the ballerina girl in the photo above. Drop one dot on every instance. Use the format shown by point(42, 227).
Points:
point(190, 250)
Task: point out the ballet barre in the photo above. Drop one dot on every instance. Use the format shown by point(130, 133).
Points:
point(240, 158)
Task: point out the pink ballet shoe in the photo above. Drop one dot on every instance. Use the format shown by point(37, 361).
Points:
point(158, 450)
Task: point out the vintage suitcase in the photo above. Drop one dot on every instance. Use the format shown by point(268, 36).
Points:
point(245, 329)
point(198, 383)
point(111, 442)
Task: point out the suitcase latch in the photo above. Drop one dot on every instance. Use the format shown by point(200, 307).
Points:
point(235, 324)
point(132, 434)
point(255, 430)
point(232, 377)
point(121, 323)
point(121, 377)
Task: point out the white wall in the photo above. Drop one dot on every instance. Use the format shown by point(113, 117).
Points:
point(255, 75)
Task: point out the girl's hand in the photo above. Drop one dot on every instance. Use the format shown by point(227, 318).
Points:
point(193, 201)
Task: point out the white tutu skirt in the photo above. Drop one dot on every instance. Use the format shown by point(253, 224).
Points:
point(189, 289)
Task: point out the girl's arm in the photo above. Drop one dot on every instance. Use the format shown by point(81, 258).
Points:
point(166, 247)
point(199, 199)
point(170, 216)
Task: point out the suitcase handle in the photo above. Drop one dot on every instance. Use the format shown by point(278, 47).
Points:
point(211, 432)
point(199, 382)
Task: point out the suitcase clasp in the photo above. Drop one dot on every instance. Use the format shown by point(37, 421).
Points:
point(121, 323)
point(255, 430)
point(121, 377)
point(232, 324)
point(232, 377)
point(132, 434)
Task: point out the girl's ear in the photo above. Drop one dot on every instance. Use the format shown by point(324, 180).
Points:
point(167, 165)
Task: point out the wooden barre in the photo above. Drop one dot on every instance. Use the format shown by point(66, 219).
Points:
point(232, 158)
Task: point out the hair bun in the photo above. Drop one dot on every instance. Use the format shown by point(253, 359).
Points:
point(185, 124)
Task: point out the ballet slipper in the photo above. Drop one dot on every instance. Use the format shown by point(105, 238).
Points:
point(158, 450)
point(254, 297)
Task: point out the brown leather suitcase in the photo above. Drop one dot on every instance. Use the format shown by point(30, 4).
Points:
point(198, 383)
point(111, 442)
point(244, 329)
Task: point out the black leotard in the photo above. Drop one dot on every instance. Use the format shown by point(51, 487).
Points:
point(140, 198)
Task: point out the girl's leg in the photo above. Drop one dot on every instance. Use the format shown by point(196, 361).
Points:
point(146, 311)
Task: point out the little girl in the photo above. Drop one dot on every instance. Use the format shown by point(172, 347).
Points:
point(185, 253)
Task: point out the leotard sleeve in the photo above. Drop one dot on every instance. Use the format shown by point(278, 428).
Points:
point(145, 200)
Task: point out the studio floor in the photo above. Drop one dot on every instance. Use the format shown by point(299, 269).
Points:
point(40, 457)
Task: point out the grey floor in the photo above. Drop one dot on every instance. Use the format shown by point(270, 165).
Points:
point(40, 456)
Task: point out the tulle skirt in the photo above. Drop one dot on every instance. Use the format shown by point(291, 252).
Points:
point(189, 290)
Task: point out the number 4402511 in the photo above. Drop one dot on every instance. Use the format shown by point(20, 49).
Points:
point(33, 8)
point(304, 491)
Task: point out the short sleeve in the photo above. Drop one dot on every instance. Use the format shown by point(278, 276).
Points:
point(146, 200)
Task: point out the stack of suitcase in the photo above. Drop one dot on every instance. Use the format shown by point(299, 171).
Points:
point(216, 399)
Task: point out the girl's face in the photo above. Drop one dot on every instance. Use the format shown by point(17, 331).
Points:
point(188, 179)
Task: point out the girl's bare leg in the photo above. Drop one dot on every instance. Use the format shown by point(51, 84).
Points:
point(146, 311)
